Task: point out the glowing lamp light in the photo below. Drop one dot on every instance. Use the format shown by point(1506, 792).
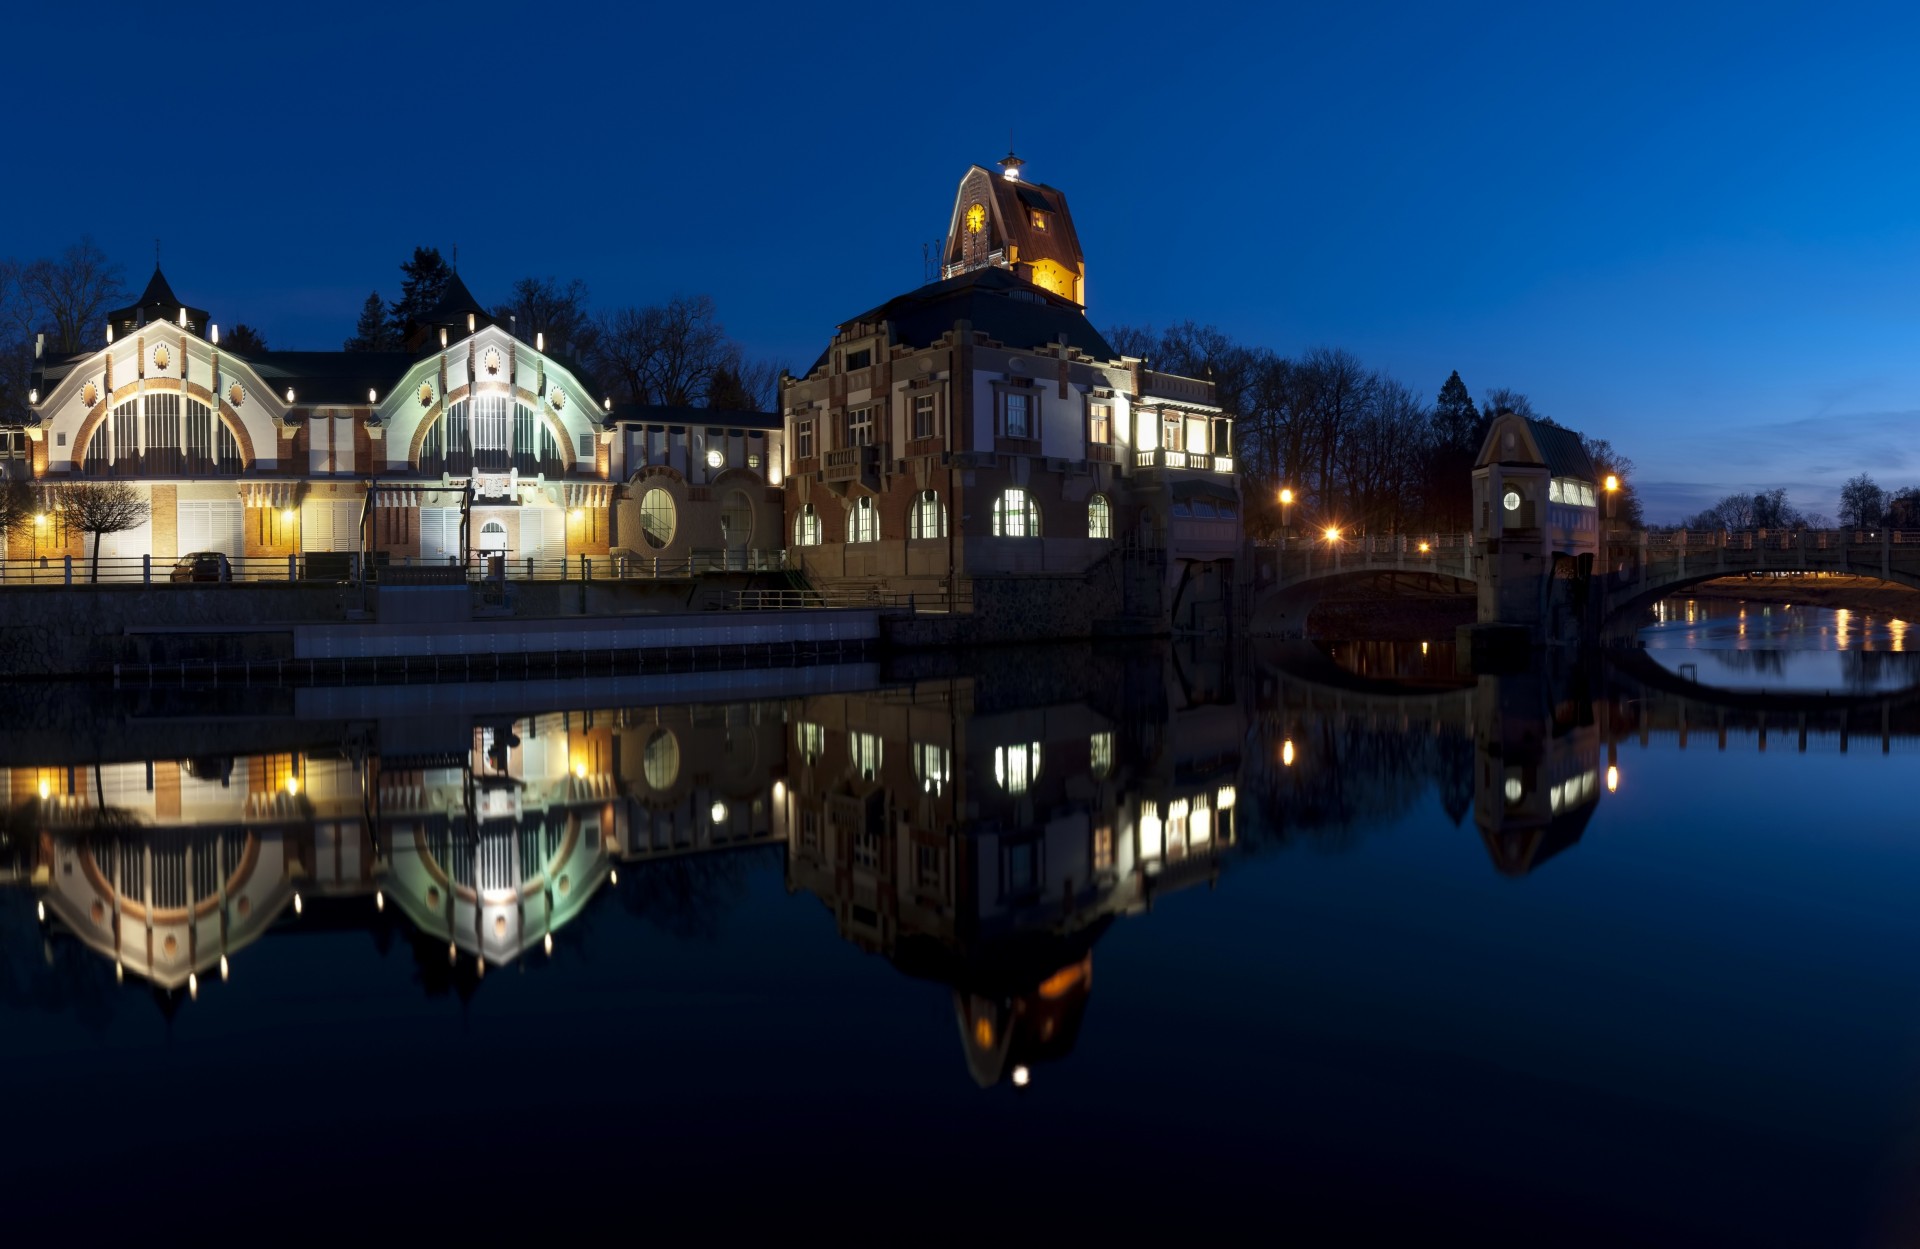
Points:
point(193, 987)
point(289, 394)
point(1021, 1077)
point(1332, 534)
point(40, 518)
point(379, 901)
point(33, 396)
point(469, 323)
point(1613, 483)
point(119, 972)
point(1613, 779)
point(779, 791)
point(46, 790)
point(1425, 547)
point(579, 513)
point(223, 969)
point(40, 911)
point(1286, 753)
point(540, 340)
point(613, 876)
point(293, 786)
point(546, 944)
point(1423, 648)
point(213, 332)
point(607, 403)
point(453, 954)
point(297, 905)
point(719, 813)
point(580, 769)
point(372, 395)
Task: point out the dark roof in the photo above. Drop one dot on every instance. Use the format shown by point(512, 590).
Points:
point(158, 303)
point(1562, 450)
point(1008, 309)
point(665, 414)
point(332, 377)
point(1014, 203)
point(455, 302)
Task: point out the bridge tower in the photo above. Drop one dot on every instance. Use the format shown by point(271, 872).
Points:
point(1536, 524)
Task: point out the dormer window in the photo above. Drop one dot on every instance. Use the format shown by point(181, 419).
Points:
point(859, 359)
point(1039, 220)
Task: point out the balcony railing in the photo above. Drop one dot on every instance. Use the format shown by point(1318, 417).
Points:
point(852, 463)
point(1162, 458)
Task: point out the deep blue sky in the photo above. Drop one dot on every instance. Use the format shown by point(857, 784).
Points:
point(1693, 231)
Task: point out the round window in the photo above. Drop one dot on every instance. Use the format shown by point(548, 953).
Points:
point(660, 759)
point(656, 518)
point(1512, 501)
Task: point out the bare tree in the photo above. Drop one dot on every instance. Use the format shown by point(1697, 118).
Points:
point(100, 508)
point(544, 306)
point(1862, 502)
point(667, 353)
point(17, 508)
point(73, 294)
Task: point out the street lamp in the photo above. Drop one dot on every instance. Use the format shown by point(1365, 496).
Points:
point(1332, 534)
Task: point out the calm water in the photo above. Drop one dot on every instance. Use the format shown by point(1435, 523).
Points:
point(1326, 937)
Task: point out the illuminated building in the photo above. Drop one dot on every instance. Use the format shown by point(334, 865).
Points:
point(978, 440)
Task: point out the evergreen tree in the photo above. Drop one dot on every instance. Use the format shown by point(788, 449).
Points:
point(728, 393)
point(1455, 418)
point(244, 340)
point(371, 332)
point(422, 286)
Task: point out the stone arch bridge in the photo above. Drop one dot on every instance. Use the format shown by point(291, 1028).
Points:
point(1636, 567)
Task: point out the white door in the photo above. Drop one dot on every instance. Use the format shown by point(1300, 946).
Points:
point(120, 552)
point(210, 527)
point(543, 533)
point(440, 534)
point(329, 525)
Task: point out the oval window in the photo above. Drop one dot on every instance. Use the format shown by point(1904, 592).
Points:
point(656, 518)
point(736, 519)
point(660, 759)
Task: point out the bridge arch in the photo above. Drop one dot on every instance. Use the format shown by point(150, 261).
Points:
point(1624, 604)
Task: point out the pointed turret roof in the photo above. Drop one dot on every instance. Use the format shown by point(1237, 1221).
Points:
point(158, 303)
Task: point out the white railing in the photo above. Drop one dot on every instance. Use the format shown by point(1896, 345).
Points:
point(344, 567)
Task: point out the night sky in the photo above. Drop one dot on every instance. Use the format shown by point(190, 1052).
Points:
point(1694, 233)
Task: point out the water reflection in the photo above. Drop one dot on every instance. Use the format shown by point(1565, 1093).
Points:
point(983, 831)
point(1778, 646)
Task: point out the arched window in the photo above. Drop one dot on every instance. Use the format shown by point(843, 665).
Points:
point(1099, 517)
point(656, 517)
point(1016, 515)
point(184, 439)
point(929, 518)
point(736, 519)
point(863, 520)
point(491, 434)
point(806, 526)
point(660, 759)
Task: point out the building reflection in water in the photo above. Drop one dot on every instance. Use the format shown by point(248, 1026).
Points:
point(966, 830)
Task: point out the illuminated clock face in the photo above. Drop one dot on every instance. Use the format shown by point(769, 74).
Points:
point(976, 219)
point(1512, 501)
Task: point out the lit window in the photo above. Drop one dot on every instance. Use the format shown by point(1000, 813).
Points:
point(1016, 767)
point(753, 459)
point(929, 518)
point(931, 766)
point(860, 427)
point(716, 458)
point(863, 521)
point(923, 419)
point(1103, 848)
point(1039, 220)
point(656, 518)
point(1172, 433)
point(1016, 515)
point(865, 749)
point(1100, 424)
point(1100, 754)
point(1099, 517)
point(813, 741)
point(806, 527)
point(1016, 415)
point(803, 440)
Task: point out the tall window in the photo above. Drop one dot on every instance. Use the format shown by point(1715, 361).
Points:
point(865, 750)
point(929, 518)
point(806, 526)
point(1017, 415)
point(933, 766)
point(183, 438)
point(1100, 424)
point(924, 425)
point(491, 434)
point(1099, 517)
point(1016, 515)
point(803, 440)
point(656, 518)
point(1016, 767)
point(860, 426)
point(1172, 432)
point(163, 434)
point(813, 740)
point(863, 520)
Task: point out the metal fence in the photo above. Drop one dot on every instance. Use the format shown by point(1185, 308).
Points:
point(344, 567)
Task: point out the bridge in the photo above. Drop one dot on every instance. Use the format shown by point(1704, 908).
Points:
point(1635, 568)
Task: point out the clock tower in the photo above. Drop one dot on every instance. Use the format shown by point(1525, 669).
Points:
point(1004, 221)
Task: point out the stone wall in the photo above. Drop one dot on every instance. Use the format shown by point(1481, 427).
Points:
point(62, 631)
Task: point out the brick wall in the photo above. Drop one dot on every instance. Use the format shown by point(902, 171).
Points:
point(165, 501)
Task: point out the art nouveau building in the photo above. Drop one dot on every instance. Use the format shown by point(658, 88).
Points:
point(475, 442)
point(980, 426)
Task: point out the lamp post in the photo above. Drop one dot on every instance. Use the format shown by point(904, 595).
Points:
point(1611, 487)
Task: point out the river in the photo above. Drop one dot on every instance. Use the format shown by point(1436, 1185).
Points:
point(1153, 941)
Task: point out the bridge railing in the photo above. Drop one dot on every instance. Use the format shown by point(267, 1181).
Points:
point(1694, 540)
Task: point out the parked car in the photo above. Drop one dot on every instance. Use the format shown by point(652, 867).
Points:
point(203, 566)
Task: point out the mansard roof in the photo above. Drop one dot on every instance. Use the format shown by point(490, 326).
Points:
point(332, 377)
point(1014, 202)
point(1005, 307)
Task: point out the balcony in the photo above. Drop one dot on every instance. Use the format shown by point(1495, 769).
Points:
point(849, 466)
point(1148, 461)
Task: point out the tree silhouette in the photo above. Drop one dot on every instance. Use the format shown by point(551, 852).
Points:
point(99, 508)
point(244, 340)
point(372, 332)
point(423, 285)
